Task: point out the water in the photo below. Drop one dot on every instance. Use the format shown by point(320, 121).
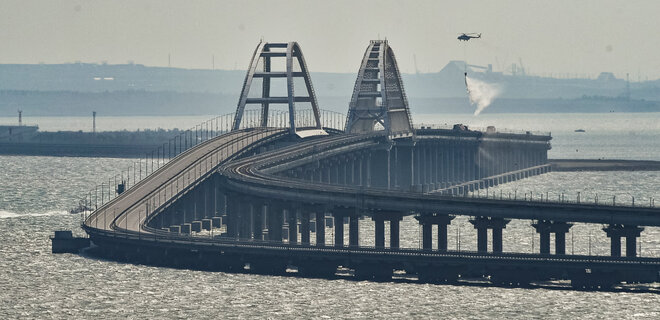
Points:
point(36, 192)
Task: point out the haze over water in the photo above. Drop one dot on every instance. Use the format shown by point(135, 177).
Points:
point(35, 193)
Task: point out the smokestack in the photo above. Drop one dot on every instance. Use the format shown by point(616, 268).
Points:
point(20, 118)
point(94, 121)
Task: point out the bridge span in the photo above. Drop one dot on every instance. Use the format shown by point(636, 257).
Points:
point(252, 198)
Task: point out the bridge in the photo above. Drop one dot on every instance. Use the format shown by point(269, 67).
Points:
point(257, 190)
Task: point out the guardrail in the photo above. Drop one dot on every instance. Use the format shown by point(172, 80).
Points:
point(603, 200)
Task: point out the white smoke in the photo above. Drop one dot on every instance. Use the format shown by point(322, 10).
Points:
point(481, 93)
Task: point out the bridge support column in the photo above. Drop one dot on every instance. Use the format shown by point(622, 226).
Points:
point(320, 228)
point(427, 220)
point(292, 217)
point(497, 240)
point(221, 207)
point(427, 237)
point(233, 216)
point(304, 227)
point(245, 219)
point(394, 217)
point(482, 224)
point(559, 228)
point(257, 221)
point(354, 231)
point(339, 229)
point(275, 220)
point(616, 231)
point(404, 167)
point(543, 228)
point(379, 232)
point(394, 232)
point(482, 238)
point(380, 168)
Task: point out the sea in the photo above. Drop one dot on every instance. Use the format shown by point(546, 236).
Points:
point(36, 193)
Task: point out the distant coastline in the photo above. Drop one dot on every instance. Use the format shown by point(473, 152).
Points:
point(111, 144)
point(131, 89)
point(147, 103)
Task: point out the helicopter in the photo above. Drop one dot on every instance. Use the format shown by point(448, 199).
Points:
point(468, 36)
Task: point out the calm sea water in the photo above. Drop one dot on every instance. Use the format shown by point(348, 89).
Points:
point(35, 193)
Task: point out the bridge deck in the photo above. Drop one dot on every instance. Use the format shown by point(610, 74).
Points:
point(128, 211)
point(124, 218)
point(253, 176)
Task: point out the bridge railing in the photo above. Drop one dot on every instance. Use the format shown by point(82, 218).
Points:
point(304, 118)
point(111, 187)
point(597, 199)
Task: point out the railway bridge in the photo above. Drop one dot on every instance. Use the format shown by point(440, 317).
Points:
point(270, 190)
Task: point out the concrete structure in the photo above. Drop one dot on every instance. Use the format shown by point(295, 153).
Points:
point(261, 188)
point(64, 242)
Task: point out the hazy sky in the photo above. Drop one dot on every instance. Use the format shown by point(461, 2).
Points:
point(559, 37)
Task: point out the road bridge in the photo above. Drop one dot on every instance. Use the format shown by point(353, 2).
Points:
point(254, 196)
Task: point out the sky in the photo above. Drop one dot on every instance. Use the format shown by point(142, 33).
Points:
point(559, 38)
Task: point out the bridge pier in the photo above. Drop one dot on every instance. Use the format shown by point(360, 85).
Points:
point(275, 218)
point(559, 228)
point(404, 166)
point(482, 224)
point(233, 216)
point(211, 197)
point(320, 227)
point(427, 221)
point(380, 168)
point(394, 219)
point(258, 220)
point(339, 213)
point(339, 229)
point(292, 220)
point(616, 231)
point(354, 231)
point(304, 227)
point(246, 219)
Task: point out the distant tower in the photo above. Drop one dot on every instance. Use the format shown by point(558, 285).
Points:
point(20, 117)
point(94, 121)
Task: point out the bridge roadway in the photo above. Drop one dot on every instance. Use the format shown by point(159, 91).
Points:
point(127, 212)
point(123, 221)
point(255, 176)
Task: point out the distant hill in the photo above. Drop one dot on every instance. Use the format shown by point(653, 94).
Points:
point(132, 89)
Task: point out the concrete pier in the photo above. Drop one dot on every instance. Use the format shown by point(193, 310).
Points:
point(615, 232)
point(482, 224)
point(64, 242)
point(320, 227)
point(545, 228)
point(427, 220)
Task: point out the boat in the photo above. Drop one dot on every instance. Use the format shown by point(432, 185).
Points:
point(580, 130)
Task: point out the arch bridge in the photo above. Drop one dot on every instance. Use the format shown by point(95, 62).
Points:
point(266, 191)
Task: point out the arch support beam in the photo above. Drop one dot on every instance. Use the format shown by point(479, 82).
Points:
point(378, 96)
point(261, 60)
